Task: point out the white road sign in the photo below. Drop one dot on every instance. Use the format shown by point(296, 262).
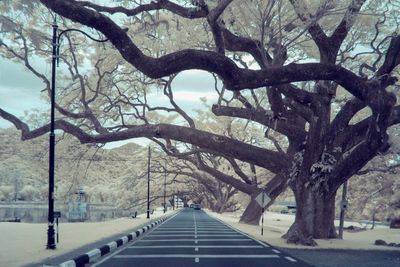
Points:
point(263, 199)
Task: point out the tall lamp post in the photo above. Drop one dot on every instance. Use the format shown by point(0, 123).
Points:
point(55, 53)
point(148, 184)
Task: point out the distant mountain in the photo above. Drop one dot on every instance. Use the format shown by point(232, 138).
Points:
point(107, 175)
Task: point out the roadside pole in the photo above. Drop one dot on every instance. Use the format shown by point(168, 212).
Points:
point(343, 207)
point(148, 184)
point(262, 222)
point(262, 199)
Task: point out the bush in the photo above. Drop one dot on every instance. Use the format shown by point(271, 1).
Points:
point(29, 193)
point(6, 193)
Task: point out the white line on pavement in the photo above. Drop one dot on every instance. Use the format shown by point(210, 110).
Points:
point(192, 228)
point(175, 240)
point(276, 251)
point(290, 259)
point(195, 236)
point(152, 235)
point(188, 231)
point(195, 256)
point(238, 231)
point(198, 246)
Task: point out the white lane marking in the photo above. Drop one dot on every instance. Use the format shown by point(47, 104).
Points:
point(195, 256)
point(196, 249)
point(210, 224)
point(195, 228)
point(243, 233)
point(175, 240)
point(212, 228)
point(196, 259)
point(194, 235)
point(188, 231)
point(276, 251)
point(122, 248)
point(191, 231)
point(192, 228)
point(290, 259)
point(198, 246)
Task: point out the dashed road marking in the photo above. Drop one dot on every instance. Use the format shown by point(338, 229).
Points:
point(276, 251)
point(176, 240)
point(198, 246)
point(290, 259)
point(195, 235)
point(221, 256)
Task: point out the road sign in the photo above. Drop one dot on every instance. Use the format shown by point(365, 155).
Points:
point(263, 199)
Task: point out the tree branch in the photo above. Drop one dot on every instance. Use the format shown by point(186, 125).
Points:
point(270, 160)
point(262, 117)
point(233, 77)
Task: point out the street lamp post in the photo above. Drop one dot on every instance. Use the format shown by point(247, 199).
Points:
point(51, 244)
point(148, 184)
point(55, 53)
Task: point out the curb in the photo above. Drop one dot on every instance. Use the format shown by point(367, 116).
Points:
point(90, 256)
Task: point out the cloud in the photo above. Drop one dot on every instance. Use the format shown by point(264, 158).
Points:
point(194, 96)
point(194, 81)
point(16, 100)
point(15, 75)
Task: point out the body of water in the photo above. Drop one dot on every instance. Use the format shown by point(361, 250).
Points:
point(36, 212)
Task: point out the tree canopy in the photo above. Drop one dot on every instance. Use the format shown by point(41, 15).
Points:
point(313, 85)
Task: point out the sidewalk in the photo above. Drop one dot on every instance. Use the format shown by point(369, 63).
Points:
point(276, 225)
point(25, 243)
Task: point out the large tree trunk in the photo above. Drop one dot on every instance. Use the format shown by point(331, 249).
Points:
point(315, 217)
point(252, 213)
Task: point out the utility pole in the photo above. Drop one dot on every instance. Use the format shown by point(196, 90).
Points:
point(165, 186)
point(343, 207)
point(148, 184)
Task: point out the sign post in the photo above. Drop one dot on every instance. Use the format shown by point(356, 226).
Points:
point(57, 214)
point(262, 200)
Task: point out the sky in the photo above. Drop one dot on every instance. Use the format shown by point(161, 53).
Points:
point(20, 91)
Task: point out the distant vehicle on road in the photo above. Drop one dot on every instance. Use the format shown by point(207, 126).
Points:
point(191, 206)
point(197, 207)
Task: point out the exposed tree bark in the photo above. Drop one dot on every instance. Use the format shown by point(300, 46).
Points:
point(252, 213)
point(314, 217)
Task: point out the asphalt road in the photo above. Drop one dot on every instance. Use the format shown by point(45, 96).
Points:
point(347, 258)
point(193, 238)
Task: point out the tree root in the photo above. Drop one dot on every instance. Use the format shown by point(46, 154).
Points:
point(294, 237)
